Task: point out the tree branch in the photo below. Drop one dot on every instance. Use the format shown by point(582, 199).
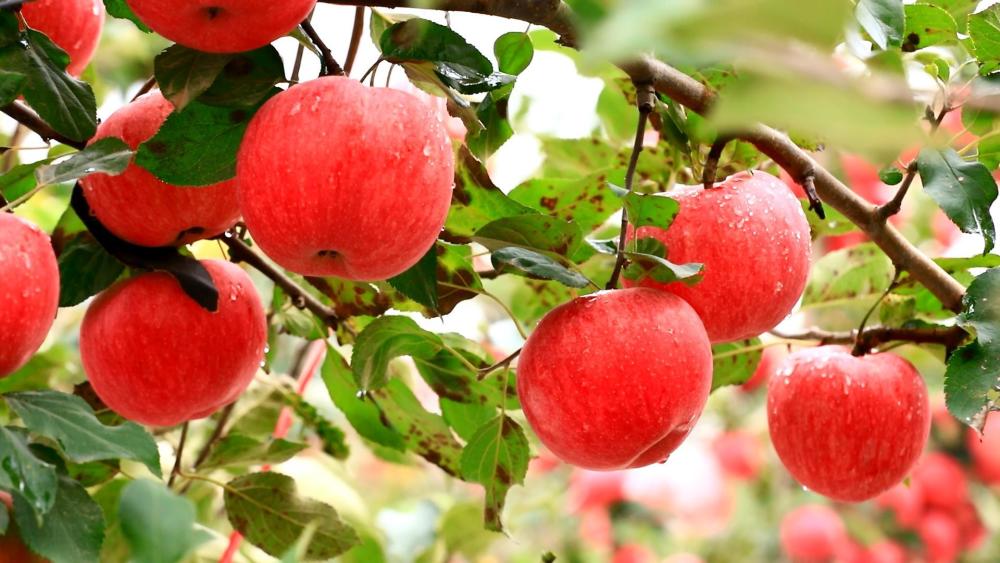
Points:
point(873, 337)
point(892, 207)
point(27, 117)
point(352, 47)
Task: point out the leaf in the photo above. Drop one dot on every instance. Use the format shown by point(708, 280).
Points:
point(109, 156)
point(496, 457)
point(246, 79)
point(72, 531)
point(382, 340)
point(463, 532)
point(848, 274)
point(121, 10)
point(85, 269)
point(647, 258)
point(418, 39)
point(928, 25)
point(476, 200)
point(266, 509)
point(419, 283)
point(11, 84)
point(183, 73)
point(158, 525)
point(495, 130)
point(22, 472)
point(196, 147)
point(350, 299)
point(425, 433)
point(457, 280)
point(65, 103)
point(540, 233)
point(237, 450)
point(20, 179)
point(984, 30)
point(650, 210)
point(733, 363)
point(971, 380)
point(469, 81)
point(453, 379)
point(882, 19)
point(524, 262)
point(964, 190)
point(989, 151)
point(514, 52)
point(981, 308)
point(364, 415)
point(70, 421)
point(586, 201)
point(466, 418)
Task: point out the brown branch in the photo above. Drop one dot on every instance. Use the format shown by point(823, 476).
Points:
point(330, 65)
point(892, 207)
point(178, 456)
point(27, 117)
point(240, 252)
point(352, 48)
point(873, 337)
point(501, 364)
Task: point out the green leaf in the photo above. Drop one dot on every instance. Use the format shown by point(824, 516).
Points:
point(419, 283)
point(22, 472)
point(981, 308)
point(4, 518)
point(158, 525)
point(586, 201)
point(418, 39)
point(882, 19)
point(514, 52)
point(196, 147)
point(496, 129)
point(476, 200)
point(463, 532)
point(733, 363)
point(466, 418)
point(266, 509)
point(989, 151)
point(183, 73)
point(425, 433)
point(70, 421)
point(928, 25)
point(890, 176)
point(21, 179)
point(71, 532)
point(496, 457)
point(964, 190)
point(457, 280)
point(848, 274)
point(650, 210)
point(85, 269)
point(246, 79)
point(363, 415)
point(237, 450)
point(978, 121)
point(108, 156)
point(121, 10)
point(541, 233)
point(984, 30)
point(11, 84)
point(971, 381)
point(524, 262)
point(648, 258)
point(468, 81)
point(65, 103)
point(386, 338)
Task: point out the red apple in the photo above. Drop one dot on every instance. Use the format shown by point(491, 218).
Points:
point(336, 178)
point(643, 385)
point(73, 25)
point(142, 209)
point(633, 553)
point(739, 454)
point(847, 427)
point(155, 356)
point(941, 536)
point(769, 360)
point(812, 533)
point(753, 239)
point(29, 290)
point(596, 529)
point(222, 26)
point(985, 450)
point(595, 489)
point(862, 177)
point(906, 502)
point(942, 480)
point(885, 551)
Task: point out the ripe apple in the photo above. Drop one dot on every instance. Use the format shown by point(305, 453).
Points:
point(73, 25)
point(753, 239)
point(770, 359)
point(155, 356)
point(29, 290)
point(942, 480)
point(140, 208)
point(643, 385)
point(941, 536)
point(847, 427)
point(985, 450)
point(222, 26)
point(905, 501)
point(812, 533)
point(633, 553)
point(885, 551)
point(595, 489)
point(336, 178)
point(739, 454)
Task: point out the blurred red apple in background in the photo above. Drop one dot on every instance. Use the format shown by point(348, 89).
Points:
point(985, 449)
point(739, 453)
point(595, 489)
point(906, 502)
point(942, 480)
point(633, 553)
point(940, 535)
point(812, 533)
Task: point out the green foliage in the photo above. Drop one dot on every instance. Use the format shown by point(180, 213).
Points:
point(382, 340)
point(71, 532)
point(648, 258)
point(973, 374)
point(107, 156)
point(496, 457)
point(984, 30)
point(733, 363)
point(525, 262)
point(964, 190)
point(650, 210)
point(882, 19)
point(847, 275)
point(21, 471)
point(237, 450)
point(158, 524)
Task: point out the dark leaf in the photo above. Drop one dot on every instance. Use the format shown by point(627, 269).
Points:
point(11, 84)
point(964, 190)
point(246, 79)
point(236, 450)
point(648, 258)
point(382, 340)
point(496, 129)
point(419, 283)
point(109, 156)
point(121, 10)
point(540, 233)
point(158, 525)
point(521, 261)
point(183, 73)
point(422, 40)
point(457, 280)
point(971, 381)
point(72, 531)
point(882, 19)
point(22, 472)
point(496, 457)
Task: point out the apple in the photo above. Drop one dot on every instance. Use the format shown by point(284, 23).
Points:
point(812, 532)
point(29, 290)
point(596, 529)
point(753, 239)
point(595, 489)
point(985, 450)
point(847, 427)
point(336, 178)
point(633, 553)
point(905, 501)
point(739, 454)
point(885, 551)
point(222, 26)
point(615, 379)
point(144, 210)
point(73, 25)
point(153, 355)
point(769, 360)
point(942, 480)
point(941, 536)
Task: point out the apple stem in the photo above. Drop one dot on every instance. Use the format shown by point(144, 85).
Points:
point(501, 364)
point(646, 101)
point(178, 456)
point(712, 160)
point(330, 66)
point(356, 31)
point(860, 346)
